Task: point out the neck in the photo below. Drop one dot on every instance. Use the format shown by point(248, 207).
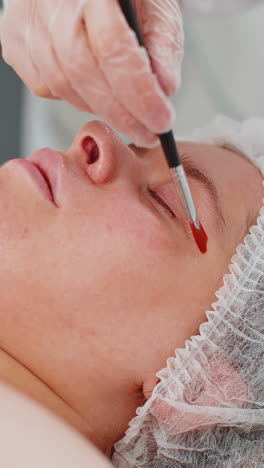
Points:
point(23, 380)
point(85, 409)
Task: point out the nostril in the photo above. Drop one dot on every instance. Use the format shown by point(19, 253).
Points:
point(91, 148)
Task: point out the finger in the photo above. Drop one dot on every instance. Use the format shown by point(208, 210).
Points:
point(44, 92)
point(162, 27)
point(119, 118)
point(56, 84)
point(15, 54)
point(126, 66)
point(81, 69)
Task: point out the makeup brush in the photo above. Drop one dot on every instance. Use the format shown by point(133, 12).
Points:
point(170, 150)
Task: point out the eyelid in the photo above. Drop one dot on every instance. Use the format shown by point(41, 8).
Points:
point(161, 201)
point(170, 196)
point(180, 217)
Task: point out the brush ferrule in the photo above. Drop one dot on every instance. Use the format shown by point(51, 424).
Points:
point(180, 176)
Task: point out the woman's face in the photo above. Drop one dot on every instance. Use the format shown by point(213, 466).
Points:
point(107, 283)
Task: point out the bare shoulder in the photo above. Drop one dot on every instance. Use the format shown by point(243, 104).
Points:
point(32, 436)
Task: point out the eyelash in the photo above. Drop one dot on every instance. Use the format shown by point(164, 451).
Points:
point(161, 202)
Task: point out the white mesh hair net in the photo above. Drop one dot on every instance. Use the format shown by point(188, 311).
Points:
point(207, 411)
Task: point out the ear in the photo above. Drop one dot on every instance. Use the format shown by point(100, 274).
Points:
point(224, 385)
point(217, 385)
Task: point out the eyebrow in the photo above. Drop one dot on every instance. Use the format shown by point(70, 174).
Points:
point(195, 173)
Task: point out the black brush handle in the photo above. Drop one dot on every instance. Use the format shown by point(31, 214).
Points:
point(166, 139)
point(131, 18)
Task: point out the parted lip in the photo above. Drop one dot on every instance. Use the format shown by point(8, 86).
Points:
point(50, 164)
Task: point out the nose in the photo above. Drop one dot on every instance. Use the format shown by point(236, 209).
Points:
point(102, 154)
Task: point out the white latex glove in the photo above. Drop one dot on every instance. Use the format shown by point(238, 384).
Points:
point(82, 51)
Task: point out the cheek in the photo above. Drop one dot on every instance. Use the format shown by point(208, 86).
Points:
point(13, 221)
point(136, 232)
point(22, 218)
point(135, 226)
point(115, 224)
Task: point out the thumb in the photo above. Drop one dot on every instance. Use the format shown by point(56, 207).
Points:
point(162, 27)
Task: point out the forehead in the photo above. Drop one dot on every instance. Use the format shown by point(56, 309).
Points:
point(225, 162)
point(230, 171)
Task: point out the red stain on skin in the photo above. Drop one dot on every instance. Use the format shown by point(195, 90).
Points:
point(200, 237)
point(25, 232)
point(109, 227)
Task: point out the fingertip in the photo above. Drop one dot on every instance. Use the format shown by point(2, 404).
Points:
point(167, 124)
point(152, 145)
point(173, 115)
point(149, 143)
point(41, 90)
point(169, 76)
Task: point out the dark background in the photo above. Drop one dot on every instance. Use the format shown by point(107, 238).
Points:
point(10, 111)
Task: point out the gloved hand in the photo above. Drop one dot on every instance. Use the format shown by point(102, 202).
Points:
point(82, 51)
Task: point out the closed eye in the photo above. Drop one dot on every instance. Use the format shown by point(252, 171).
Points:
point(161, 202)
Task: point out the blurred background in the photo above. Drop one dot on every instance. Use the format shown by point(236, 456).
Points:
point(10, 111)
point(222, 73)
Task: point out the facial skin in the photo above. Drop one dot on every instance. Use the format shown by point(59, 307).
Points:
point(97, 293)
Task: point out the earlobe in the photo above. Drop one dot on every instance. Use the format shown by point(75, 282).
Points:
point(148, 385)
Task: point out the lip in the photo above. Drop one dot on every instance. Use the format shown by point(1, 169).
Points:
point(37, 177)
point(49, 166)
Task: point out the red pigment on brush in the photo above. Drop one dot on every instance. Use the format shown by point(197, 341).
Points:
point(200, 237)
